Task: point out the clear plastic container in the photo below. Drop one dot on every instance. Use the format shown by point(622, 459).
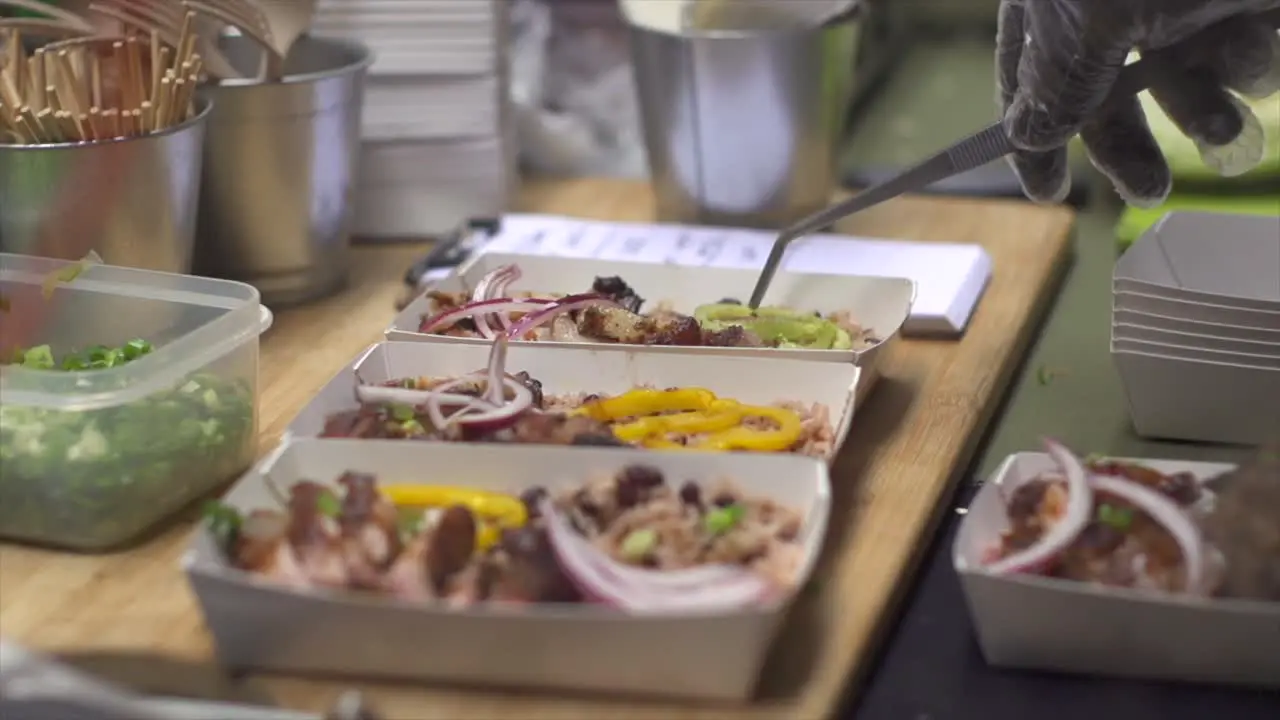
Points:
point(93, 460)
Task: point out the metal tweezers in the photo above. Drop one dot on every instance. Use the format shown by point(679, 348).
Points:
point(972, 152)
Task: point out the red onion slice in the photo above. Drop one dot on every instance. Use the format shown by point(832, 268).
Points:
point(547, 314)
point(503, 278)
point(470, 310)
point(503, 415)
point(599, 579)
point(1171, 517)
point(381, 394)
point(487, 288)
point(495, 388)
point(1078, 513)
point(491, 287)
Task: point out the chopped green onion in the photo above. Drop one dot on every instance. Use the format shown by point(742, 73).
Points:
point(1117, 517)
point(39, 357)
point(224, 522)
point(328, 504)
point(722, 520)
point(639, 543)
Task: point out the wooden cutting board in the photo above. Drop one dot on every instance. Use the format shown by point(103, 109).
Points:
point(909, 443)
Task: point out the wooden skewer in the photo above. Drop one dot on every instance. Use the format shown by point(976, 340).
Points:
point(13, 63)
point(157, 70)
point(43, 26)
point(30, 127)
point(88, 88)
point(184, 39)
point(165, 100)
point(112, 117)
point(95, 81)
point(176, 109)
point(52, 102)
point(66, 91)
point(96, 125)
point(140, 92)
point(35, 75)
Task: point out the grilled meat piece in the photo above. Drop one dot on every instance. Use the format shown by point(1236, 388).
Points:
point(1245, 526)
point(532, 573)
point(370, 530)
point(453, 541)
point(555, 429)
point(612, 324)
point(314, 537)
point(673, 329)
point(616, 289)
point(534, 386)
point(732, 336)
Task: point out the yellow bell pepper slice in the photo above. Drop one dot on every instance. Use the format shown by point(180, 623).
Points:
point(640, 403)
point(722, 415)
point(787, 434)
point(504, 510)
point(693, 411)
point(495, 511)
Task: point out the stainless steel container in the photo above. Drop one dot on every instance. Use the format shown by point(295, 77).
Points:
point(280, 167)
point(741, 125)
point(133, 200)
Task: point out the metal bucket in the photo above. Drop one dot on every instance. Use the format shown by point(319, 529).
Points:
point(277, 206)
point(741, 125)
point(133, 200)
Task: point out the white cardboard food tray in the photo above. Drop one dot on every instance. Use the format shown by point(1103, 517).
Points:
point(1207, 329)
point(1198, 311)
point(1179, 399)
point(564, 370)
point(1041, 623)
point(879, 303)
point(1124, 331)
point(707, 656)
point(1215, 258)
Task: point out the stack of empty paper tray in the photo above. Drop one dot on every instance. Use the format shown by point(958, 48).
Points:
point(1195, 329)
point(438, 143)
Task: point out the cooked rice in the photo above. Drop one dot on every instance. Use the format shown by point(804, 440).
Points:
point(766, 539)
point(862, 337)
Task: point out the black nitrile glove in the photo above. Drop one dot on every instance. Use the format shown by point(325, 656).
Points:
point(1057, 59)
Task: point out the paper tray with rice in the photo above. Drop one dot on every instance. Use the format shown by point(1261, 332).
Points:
point(1151, 569)
point(568, 602)
point(577, 397)
point(597, 304)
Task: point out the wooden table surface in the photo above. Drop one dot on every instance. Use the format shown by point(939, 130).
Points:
point(912, 437)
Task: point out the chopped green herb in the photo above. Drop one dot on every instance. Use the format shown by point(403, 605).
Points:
point(95, 479)
point(639, 543)
point(410, 521)
point(328, 504)
point(722, 520)
point(224, 523)
point(39, 357)
point(1117, 517)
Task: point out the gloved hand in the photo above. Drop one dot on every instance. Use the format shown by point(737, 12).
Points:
point(1057, 59)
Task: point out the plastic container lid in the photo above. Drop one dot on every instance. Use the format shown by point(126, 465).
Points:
point(191, 321)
